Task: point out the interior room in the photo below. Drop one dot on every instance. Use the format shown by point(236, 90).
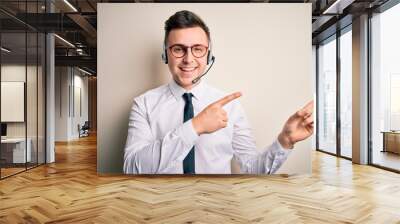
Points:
point(68, 111)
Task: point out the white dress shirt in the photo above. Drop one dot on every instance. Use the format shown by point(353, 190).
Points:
point(158, 139)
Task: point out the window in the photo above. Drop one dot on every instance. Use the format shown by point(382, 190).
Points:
point(385, 88)
point(346, 93)
point(327, 96)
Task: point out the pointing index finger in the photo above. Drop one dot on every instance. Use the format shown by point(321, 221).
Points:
point(307, 109)
point(228, 98)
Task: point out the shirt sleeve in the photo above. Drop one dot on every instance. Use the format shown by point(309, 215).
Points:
point(266, 161)
point(144, 154)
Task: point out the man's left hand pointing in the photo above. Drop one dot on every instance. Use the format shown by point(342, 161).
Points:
point(298, 127)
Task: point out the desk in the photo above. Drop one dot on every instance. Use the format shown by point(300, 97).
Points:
point(391, 141)
point(13, 150)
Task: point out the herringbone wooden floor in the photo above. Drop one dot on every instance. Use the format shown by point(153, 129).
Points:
point(70, 191)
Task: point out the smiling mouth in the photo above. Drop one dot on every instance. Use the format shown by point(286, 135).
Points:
point(187, 69)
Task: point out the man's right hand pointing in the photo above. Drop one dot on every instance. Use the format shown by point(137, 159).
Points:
point(213, 117)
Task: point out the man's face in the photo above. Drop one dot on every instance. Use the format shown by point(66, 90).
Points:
point(188, 67)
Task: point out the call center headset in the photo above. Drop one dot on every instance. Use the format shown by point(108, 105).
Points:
point(210, 59)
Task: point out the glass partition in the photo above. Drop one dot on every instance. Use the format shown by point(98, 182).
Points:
point(13, 95)
point(385, 89)
point(327, 95)
point(346, 93)
point(22, 88)
point(31, 100)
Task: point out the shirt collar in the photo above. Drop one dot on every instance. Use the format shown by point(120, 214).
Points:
point(178, 91)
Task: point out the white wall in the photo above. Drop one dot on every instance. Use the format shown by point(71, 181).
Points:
point(80, 84)
point(61, 103)
point(68, 81)
point(262, 50)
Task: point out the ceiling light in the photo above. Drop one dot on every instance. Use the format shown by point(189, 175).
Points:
point(65, 41)
point(5, 50)
point(338, 6)
point(70, 5)
point(84, 71)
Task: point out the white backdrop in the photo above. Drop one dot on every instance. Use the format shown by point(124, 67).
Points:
point(262, 50)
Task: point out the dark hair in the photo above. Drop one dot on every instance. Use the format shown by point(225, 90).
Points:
point(184, 19)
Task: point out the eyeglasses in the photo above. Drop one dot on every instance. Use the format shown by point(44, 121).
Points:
point(179, 50)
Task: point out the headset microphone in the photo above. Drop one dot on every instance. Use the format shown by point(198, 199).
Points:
point(194, 81)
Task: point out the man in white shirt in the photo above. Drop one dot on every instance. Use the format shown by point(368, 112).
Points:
point(189, 127)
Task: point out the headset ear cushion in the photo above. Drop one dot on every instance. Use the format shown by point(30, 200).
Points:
point(164, 57)
point(209, 56)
